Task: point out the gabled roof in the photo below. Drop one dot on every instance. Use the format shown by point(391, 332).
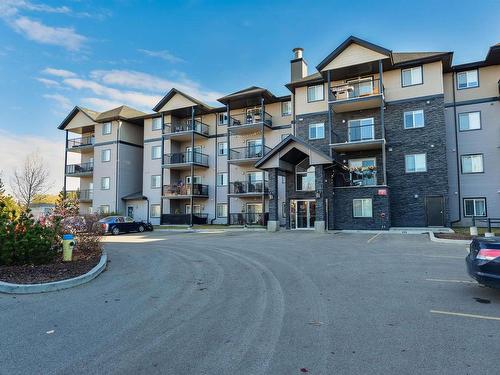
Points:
point(352, 39)
point(120, 113)
point(492, 58)
point(249, 92)
point(171, 94)
point(92, 115)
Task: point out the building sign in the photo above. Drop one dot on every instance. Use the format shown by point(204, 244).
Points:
point(382, 192)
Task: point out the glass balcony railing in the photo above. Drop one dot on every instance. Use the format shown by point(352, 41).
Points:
point(186, 126)
point(174, 190)
point(80, 168)
point(187, 158)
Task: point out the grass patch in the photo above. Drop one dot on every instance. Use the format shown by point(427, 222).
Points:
point(466, 230)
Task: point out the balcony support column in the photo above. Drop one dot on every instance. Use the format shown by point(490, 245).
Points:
point(273, 223)
point(162, 169)
point(192, 169)
point(320, 222)
point(65, 164)
point(228, 141)
point(382, 123)
point(263, 109)
point(330, 120)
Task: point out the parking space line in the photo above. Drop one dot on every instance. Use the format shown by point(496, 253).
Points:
point(452, 281)
point(372, 238)
point(465, 315)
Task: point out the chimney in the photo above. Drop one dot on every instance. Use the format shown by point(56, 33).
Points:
point(298, 65)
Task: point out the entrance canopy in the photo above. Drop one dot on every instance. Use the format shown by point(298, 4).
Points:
point(289, 152)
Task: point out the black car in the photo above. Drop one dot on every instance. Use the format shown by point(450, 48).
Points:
point(483, 261)
point(123, 224)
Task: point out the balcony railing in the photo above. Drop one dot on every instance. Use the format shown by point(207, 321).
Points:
point(248, 152)
point(248, 218)
point(356, 89)
point(247, 187)
point(358, 133)
point(251, 118)
point(80, 142)
point(80, 168)
point(186, 158)
point(186, 126)
point(184, 219)
point(185, 190)
point(85, 195)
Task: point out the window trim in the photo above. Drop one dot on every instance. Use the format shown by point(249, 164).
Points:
point(153, 123)
point(217, 211)
point(218, 148)
point(304, 173)
point(476, 198)
point(317, 100)
point(462, 164)
point(362, 217)
point(426, 169)
point(467, 113)
point(471, 87)
point(104, 205)
point(104, 127)
point(217, 179)
point(109, 183)
point(102, 151)
point(309, 130)
point(413, 116)
point(152, 152)
point(151, 211)
point(421, 75)
point(152, 179)
point(218, 118)
point(283, 114)
point(349, 122)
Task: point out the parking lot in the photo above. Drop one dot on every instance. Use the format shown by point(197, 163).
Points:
point(261, 303)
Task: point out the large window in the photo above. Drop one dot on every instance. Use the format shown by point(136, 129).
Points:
point(105, 183)
point(361, 130)
point(414, 119)
point(104, 209)
point(411, 76)
point(106, 128)
point(155, 210)
point(468, 79)
point(317, 131)
point(362, 207)
point(222, 210)
point(222, 179)
point(472, 163)
point(305, 176)
point(363, 172)
point(475, 206)
point(156, 152)
point(106, 155)
point(222, 148)
point(155, 181)
point(469, 121)
point(416, 163)
point(286, 108)
point(222, 118)
point(156, 123)
point(315, 93)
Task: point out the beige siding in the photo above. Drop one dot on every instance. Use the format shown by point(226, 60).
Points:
point(149, 133)
point(80, 120)
point(302, 106)
point(177, 101)
point(488, 86)
point(99, 137)
point(131, 133)
point(354, 55)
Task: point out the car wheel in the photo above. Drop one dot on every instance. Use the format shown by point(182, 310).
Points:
point(115, 231)
point(141, 228)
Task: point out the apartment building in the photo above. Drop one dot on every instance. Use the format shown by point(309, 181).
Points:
point(367, 141)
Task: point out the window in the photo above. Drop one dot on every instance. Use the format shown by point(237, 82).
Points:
point(283, 210)
point(317, 131)
point(105, 183)
point(156, 123)
point(222, 148)
point(222, 210)
point(361, 130)
point(106, 128)
point(305, 176)
point(414, 119)
point(468, 79)
point(104, 209)
point(155, 181)
point(283, 136)
point(416, 163)
point(222, 118)
point(106, 155)
point(155, 210)
point(156, 152)
point(196, 179)
point(469, 121)
point(315, 93)
point(222, 179)
point(196, 209)
point(286, 108)
point(362, 207)
point(363, 172)
point(472, 163)
point(411, 76)
point(475, 206)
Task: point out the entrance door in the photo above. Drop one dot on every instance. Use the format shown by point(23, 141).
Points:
point(130, 211)
point(434, 208)
point(302, 214)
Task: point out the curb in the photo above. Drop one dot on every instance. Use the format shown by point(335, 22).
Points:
point(56, 285)
point(447, 240)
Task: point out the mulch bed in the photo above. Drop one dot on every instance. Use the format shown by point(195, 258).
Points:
point(48, 272)
point(453, 236)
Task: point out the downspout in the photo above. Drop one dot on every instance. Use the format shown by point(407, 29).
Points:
point(192, 166)
point(117, 163)
point(161, 166)
point(263, 109)
point(228, 138)
point(456, 152)
point(216, 153)
point(65, 164)
point(330, 128)
point(382, 123)
point(293, 112)
point(147, 209)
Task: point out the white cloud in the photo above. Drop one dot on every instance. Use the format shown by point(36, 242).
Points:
point(9, 7)
point(65, 37)
point(62, 102)
point(163, 54)
point(100, 105)
point(59, 72)
point(48, 82)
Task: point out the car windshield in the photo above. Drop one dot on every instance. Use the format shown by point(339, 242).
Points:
point(108, 219)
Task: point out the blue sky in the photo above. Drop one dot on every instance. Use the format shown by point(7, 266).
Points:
point(57, 54)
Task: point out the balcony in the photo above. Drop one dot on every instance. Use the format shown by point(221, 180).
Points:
point(248, 189)
point(80, 170)
point(248, 154)
point(85, 195)
point(182, 191)
point(184, 160)
point(80, 144)
point(250, 122)
point(183, 130)
point(184, 219)
point(359, 137)
point(249, 218)
point(356, 95)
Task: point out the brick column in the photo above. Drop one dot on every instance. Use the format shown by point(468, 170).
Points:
point(320, 223)
point(273, 223)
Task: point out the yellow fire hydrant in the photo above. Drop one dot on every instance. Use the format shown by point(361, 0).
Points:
point(68, 245)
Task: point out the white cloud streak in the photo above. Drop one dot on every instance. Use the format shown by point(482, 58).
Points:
point(62, 102)
point(59, 73)
point(163, 54)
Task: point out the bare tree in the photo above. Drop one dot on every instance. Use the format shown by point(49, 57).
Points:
point(31, 180)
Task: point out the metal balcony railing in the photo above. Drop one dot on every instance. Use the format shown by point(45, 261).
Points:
point(80, 168)
point(251, 118)
point(357, 133)
point(247, 187)
point(248, 152)
point(80, 142)
point(85, 195)
point(184, 219)
point(186, 158)
point(248, 218)
point(186, 126)
point(356, 89)
point(185, 190)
